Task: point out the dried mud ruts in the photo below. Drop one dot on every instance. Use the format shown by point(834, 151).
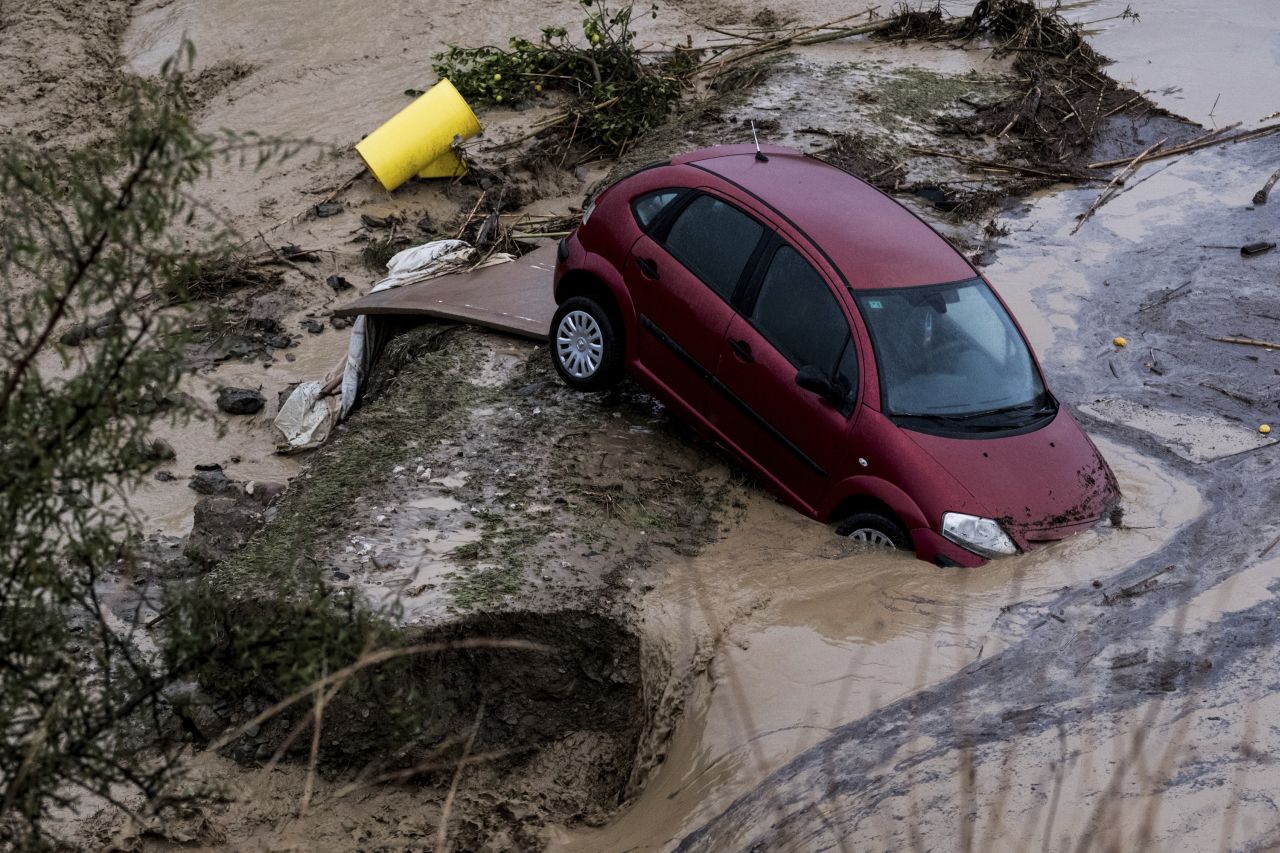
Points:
point(1066, 97)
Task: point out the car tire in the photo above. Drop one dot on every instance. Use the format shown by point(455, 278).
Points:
point(586, 346)
point(875, 529)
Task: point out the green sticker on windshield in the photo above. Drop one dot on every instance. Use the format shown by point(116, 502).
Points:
point(874, 303)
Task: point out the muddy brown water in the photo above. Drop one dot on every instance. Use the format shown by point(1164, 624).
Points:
point(811, 633)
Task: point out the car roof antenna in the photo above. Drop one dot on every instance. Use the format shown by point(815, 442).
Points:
point(760, 155)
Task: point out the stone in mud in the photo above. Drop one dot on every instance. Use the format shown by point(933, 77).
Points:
point(224, 522)
point(76, 335)
point(211, 482)
point(208, 466)
point(338, 283)
point(340, 322)
point(328, 209)
point(165, 476)
point(240, 401)
point(313, 326)
point(156, 450)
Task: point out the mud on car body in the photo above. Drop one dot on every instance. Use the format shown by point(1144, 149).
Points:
point(835, 344)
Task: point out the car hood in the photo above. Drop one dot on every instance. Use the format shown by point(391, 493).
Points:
point(1041, 486)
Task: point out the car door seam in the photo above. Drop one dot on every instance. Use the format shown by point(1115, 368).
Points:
point(724, 390)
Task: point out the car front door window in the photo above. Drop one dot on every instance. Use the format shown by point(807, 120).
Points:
point(714, 241)
point(796, 311)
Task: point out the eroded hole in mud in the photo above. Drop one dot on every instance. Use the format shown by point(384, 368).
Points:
point(553, 725)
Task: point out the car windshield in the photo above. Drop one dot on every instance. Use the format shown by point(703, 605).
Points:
point(951, 352)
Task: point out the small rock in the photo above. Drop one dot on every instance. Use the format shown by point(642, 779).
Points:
point(385, 561)
point(376, 221)
point(157, 450)
point(338, 283)
point(328, 209)
point(530, 389)
point(240, 401)
point(426, 226)
point(221, 525)
point(313, 326)
point(341, 576)
point(211, 483)
point(76, 335)
point(340, 322)
point(208, 466)
point(165, 476)
point(580, 172)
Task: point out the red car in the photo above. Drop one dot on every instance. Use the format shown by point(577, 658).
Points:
point(835, 344)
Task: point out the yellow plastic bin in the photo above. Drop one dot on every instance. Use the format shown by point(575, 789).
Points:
point(418, 140)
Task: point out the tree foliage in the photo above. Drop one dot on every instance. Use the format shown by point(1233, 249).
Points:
point(614, 94)
point(87, 237)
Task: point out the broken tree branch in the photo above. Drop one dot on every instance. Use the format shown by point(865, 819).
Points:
point(1260, 197)
point(1249, 342)
point(1109, 191)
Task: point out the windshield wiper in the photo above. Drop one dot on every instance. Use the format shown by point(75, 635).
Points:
point(1038, 410)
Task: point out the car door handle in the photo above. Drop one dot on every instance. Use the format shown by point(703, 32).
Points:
point(742, 350)
point(648, 268)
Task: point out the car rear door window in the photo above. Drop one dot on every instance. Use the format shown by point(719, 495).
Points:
point(714, 240)
point(649, 206)
point(797, 312)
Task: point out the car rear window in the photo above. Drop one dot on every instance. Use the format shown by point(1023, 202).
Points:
point(797, 312)
point(648, 206)
point(714, 240)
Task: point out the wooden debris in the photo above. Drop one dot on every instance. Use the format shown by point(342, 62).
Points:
point(1232, 394)
point(1249, 342)
point(994, 166)
point(1267, 550)
point(1111, 189)
point(1260, 197)
point(1172, 294)
point(1135, 589)
point(1130, 659)
point(1215, 137)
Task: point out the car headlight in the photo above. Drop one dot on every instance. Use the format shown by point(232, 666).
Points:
point(983, 536)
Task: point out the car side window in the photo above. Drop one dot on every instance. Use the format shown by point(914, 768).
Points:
point(649, 206)
point(797, 312)
point(714, 240)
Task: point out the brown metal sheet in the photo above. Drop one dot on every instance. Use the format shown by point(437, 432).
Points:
point(515, 297)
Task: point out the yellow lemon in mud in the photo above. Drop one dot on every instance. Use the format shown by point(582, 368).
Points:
point(1120, 342)
point(1264, 429)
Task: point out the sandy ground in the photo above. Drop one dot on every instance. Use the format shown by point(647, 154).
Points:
point(799, 695)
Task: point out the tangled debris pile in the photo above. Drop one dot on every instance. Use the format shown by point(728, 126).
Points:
point(614, 95)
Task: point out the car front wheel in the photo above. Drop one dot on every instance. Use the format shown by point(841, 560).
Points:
point(875, 529)
point(585, 345)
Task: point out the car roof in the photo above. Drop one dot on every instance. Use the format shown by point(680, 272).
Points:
point(872, 239)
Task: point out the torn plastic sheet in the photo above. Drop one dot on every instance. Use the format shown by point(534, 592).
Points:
point(418, 263)
point(312, 410)
point(306, 418)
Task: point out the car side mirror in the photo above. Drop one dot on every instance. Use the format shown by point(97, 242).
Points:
point(812, 379)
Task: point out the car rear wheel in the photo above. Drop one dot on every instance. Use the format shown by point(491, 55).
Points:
point(585, 345)
point(875, 529)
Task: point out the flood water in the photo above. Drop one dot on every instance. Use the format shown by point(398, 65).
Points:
point(811, 634)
